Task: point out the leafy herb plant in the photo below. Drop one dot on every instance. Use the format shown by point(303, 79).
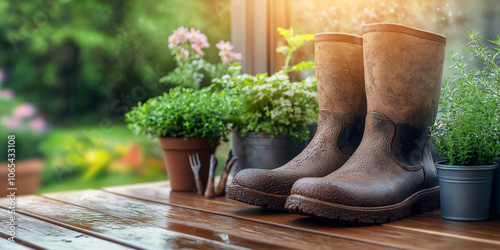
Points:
point(468, 128)
point(184, 113)
point(273, 104)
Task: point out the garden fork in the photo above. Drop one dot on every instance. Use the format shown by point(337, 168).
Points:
point(194, 161)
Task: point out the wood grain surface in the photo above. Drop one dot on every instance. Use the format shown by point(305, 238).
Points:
point(35, 232)
point(390, 235)
point(236, 231)
point(151, 216)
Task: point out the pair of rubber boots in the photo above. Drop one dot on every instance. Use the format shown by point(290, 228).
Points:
point(370, 160)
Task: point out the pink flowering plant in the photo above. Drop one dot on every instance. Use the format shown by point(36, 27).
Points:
point(192, 69)
point(22, 120)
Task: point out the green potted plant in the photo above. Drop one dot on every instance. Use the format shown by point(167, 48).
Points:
point(467, 135)
point(21, 130)
point(271, 117)
point(186, 121)
point(192, 117)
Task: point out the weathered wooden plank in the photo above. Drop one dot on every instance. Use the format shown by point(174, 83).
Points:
point(486, 231)
point(35, 232)
point(236, 231)
point(8, 245)
point(130, 232)
point(376, 234)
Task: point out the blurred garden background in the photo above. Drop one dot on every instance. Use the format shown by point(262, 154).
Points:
point(71, 69)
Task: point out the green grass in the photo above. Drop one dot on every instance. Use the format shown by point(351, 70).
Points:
point(59, 179)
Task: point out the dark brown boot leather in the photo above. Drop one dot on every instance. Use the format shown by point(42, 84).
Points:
point(342, 103)
point(391, 174)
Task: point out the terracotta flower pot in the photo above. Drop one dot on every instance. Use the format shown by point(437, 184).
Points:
point(27, 179)
point(175, 155)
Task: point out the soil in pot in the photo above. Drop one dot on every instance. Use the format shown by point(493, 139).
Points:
point(176, 153)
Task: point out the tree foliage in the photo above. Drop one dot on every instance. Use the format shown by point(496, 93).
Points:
point(77, 57)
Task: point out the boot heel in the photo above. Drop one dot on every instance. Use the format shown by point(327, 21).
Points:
point(427, 204)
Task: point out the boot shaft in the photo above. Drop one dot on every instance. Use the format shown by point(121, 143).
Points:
point(403, 72)
point(339, 73)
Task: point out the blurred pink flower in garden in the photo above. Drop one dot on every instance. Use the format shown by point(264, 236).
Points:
point(224, 56)
point(198, 50)
point(233, 56)
point(11, 122)
point(225, 53)
point(224, 46)
point(24, 110)
point(182, 34)
point(6, 94)
point(173, 41)
point(38, 124)
point(194, 34)
point(184, 53)
point(198, 41)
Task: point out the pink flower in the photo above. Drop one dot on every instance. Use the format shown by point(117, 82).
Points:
point(6, 94)
point(198, 50)
point(224, 46)
point(229, 56)
point(173, 40)
point(223, 53)
point(198, 39)
point(200, 42)
point(233, 56)
point(182, 34)
point(38, 124)
point(11, 122)
point(24, 110)
point(193, 34)
point(184, 53)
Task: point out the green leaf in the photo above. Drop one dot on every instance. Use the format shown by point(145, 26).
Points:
point(282, 49)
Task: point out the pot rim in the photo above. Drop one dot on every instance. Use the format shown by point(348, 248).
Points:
point(444, 166)
point(179, 143)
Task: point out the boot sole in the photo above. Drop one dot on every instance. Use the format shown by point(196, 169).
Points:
point(257, 198)
point(423, 201)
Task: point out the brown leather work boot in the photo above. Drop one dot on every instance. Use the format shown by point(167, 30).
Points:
point(392, 172)
point(342, 103)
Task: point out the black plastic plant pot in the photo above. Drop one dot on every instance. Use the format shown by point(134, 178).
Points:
point(465, 191)
point(260, 150)
point(495, 198)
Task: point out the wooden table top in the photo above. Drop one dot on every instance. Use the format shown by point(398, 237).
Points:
point(151, 216)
